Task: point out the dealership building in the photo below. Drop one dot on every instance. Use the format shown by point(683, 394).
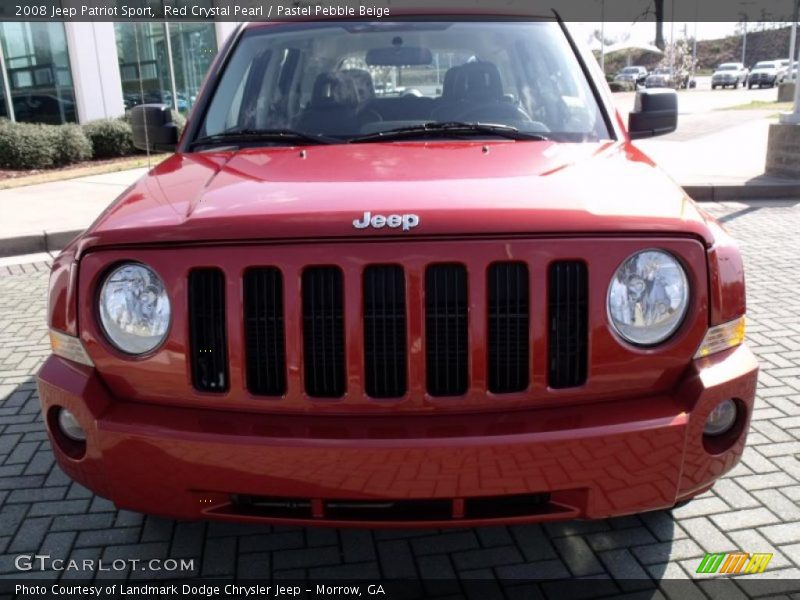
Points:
point(57, 72)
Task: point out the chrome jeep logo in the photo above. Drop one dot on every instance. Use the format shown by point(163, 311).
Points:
point(394, 221)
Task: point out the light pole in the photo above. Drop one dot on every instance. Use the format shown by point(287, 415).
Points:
point(793, 42)
point(694, 39)
point(744, 40)
point(672, 37)
point(603, 36)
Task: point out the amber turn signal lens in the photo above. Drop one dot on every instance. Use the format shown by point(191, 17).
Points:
point(722, 337)
point(69, 347)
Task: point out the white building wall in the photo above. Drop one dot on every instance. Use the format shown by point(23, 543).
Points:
point(224, 29)
point(95, 70)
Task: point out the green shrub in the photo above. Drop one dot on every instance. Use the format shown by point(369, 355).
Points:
point(110, 137)
point(28, 145)
point(72, 146)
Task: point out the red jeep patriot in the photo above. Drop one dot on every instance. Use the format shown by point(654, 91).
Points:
point(390, 277)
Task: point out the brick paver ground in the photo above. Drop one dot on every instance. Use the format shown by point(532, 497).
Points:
point(755, 508)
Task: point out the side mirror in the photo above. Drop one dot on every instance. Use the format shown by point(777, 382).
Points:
point(655, 112)
point(153, 128)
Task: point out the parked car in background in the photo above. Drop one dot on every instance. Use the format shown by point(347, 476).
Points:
point(635, 74)
point(766, 73)
point(438, 309)
point(729, 74)
point(666, 77)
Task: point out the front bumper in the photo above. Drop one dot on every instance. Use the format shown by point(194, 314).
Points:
point(591, 461)
point(762, 79)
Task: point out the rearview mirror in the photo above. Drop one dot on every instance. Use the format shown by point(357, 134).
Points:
point(153, 128)
point(398, 56)
point(655, 113)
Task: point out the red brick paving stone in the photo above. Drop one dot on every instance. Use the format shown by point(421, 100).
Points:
point(754, 505)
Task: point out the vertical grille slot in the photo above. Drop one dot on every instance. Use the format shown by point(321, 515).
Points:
point(567, 312)
point(384, 331)
point(508, 322)
point(323, 332)
point(209, 353)
point(446, 330)
point(264, 331)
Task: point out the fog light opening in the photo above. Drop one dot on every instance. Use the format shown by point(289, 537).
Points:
point(722, 419)
point(70, 427)
point(67, 433)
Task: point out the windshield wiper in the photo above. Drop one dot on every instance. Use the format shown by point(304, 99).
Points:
point(449, 128)
point(264, 135)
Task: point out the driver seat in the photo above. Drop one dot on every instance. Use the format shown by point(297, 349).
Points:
point(471, 86)
point(337, 103)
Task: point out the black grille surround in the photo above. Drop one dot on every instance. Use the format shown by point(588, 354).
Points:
point(208, 342)
point(446, 334)
point(568, 342)
point(265, 353)
point(323, 332)
point(384, 293)
point(508, 338)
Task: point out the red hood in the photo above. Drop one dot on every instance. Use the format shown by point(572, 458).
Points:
point(458, 188)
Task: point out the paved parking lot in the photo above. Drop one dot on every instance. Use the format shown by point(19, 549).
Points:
point(754, 509)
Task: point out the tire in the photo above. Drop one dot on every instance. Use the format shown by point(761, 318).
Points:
point(736, 85)
point(713, 87)
point(681, 504)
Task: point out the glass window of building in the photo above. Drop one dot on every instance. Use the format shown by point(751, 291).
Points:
point(37, 69)
point(164, 62)
point(193, 48)
point(143, 62)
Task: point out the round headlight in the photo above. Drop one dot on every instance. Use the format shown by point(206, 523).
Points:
point(648, 297)
point(134, 308)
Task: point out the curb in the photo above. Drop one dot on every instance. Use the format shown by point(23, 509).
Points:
point(720, 193)
point(35, 243)
point(56, 240)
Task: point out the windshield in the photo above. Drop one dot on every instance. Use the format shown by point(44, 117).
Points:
point(765, 65)
point(661, 71)
point(346, 80)
point(630, 70)
point(727, 68)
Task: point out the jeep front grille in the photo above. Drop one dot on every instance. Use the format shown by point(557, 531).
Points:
point(323, 332)
point(508, 336)
point(263, 329)
point(446, 333)
point(207, 330)
point(384, 290)
point(446, 337)
point(567, 318)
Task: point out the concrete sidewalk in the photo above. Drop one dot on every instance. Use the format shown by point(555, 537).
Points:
point(727, 164)
point(44, 217)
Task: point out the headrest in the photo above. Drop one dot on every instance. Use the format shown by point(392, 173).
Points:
point(448, 86)
point(365, 89)
point(478, 81)
point(350, 87)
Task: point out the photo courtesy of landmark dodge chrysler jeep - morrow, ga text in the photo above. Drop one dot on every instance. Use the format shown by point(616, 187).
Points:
point(429, 305)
